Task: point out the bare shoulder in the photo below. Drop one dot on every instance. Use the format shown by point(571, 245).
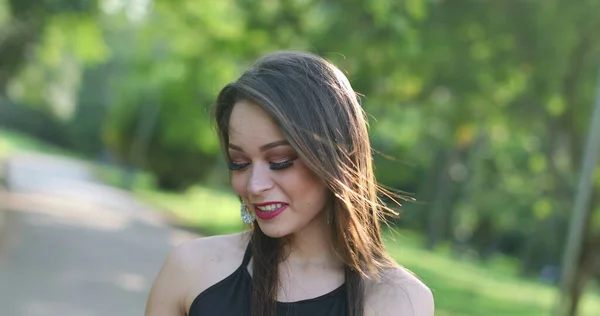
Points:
point(207, 250)
point(399, 292)
point(192, 267)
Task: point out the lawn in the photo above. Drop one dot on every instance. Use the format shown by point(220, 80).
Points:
point(12, 142)
point(461, 286)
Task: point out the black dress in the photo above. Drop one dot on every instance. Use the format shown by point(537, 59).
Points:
point(231, 297)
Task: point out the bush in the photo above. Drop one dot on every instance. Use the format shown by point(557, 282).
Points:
point(165, 134)
point(35, 122)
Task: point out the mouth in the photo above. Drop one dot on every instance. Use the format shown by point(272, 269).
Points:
point(269, 210)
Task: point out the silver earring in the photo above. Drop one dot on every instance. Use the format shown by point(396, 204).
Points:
point(247, 217)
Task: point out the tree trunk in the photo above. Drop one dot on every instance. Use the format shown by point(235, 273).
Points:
point(577, 291)
point(589, 261)
point(439, 214)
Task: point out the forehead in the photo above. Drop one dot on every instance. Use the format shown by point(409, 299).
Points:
point(250, 126)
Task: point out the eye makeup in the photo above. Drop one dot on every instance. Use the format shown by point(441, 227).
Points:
point(281, 165)
point(272, 165)
point(237, 166)
point(277, 159)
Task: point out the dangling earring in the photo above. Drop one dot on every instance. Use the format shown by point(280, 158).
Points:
point(247, 217)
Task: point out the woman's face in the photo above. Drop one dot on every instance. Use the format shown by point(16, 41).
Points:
point(283, 193)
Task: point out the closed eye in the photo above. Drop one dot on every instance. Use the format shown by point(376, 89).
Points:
point(237, 166)
point(273, 165)
point(281, 165)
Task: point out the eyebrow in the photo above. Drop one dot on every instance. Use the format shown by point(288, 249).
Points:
point(263, 147)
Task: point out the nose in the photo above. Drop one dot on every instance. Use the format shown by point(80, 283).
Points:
point(260, 181)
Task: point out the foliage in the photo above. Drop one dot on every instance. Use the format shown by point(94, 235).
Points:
point(478, 108)
point(471, 288)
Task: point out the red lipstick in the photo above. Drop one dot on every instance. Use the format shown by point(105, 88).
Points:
point(266, 215)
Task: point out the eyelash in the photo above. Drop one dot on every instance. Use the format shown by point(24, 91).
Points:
point(273, 166)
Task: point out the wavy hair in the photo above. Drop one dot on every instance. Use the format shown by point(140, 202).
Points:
point(319, 114)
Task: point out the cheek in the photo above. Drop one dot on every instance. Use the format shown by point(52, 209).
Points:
point(307, 185)
point(238, 184)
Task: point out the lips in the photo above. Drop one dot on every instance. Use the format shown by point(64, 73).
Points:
point(269, 210)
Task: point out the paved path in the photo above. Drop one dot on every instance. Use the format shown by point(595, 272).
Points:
point(74, 247)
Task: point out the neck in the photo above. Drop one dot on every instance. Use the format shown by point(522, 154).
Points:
point(312, 246)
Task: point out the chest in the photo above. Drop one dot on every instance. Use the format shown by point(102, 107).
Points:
point(228, 300)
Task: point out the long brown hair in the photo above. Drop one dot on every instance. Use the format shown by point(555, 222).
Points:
point(318, 112)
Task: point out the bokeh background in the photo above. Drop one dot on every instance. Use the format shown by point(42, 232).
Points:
point(479, 109)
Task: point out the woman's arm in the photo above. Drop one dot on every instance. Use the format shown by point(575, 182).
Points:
point(170, 286)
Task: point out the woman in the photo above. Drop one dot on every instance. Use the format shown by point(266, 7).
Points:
point(296, 141)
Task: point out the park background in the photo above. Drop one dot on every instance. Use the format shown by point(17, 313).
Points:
point(478, 109)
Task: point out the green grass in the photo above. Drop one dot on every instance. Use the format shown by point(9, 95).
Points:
point(13, 142)
point(465, 287)
point(194, 210)
point(208, 211)
point(461, 286)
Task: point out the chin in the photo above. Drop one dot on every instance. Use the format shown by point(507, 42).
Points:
point(273, 231)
